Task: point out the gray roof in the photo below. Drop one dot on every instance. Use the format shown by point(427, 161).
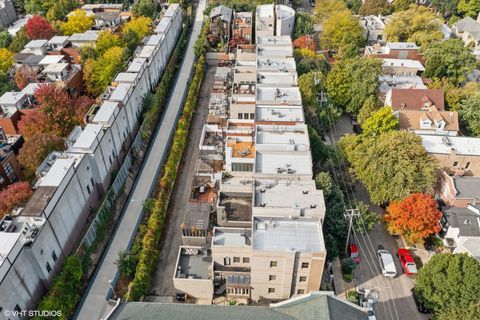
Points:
point(223, 11)
point(465, 220)
point(467, 24)
point(473, 246)
point(314, 306)
point(197, 215)
point(34, 60)
point(467, 187)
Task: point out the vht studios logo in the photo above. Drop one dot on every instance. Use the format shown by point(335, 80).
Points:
point(32, 313)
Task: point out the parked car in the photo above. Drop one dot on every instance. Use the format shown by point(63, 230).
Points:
point(420, 306)
point(181, 296)
point(353, 253)
point(407, 261)
point(385, 260)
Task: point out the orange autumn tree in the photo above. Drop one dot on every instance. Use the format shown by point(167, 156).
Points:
point(416, 217)
point(305, 42)
point(13, 196)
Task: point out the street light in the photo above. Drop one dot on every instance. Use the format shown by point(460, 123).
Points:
point(111, 287)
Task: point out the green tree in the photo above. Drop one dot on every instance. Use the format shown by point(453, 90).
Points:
point(354, 5)
point(319, 149)
point(34, 6)
point(141, 26)
point(352, 81)
point(471, 312)
point(448, 59)
point(470, 113)
point(469, 8)
point(375, 7)
point(325, 8)
point(367, 219)
point(455, 96)
point(447, 8)
point(19, 40)
point(126, 263)
point(335, 225)
point(341, 29)
point(417, 24)
point(449, 280)
point(379, 122)
point(144, 8)
point(59, 9)
point(391, 165)
point(105, 41)
point(318, 63)
point(303, 25)
point(77, 22)
point(370, 105)
point(5, 85)
point(99, 73)
point(5, 38)
point(401, 5)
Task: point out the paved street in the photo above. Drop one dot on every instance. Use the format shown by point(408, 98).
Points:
point(396, 302)
point(163, 278)
point(94, 303)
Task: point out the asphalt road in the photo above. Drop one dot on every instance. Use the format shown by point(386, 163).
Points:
point(94, 303)
point(395, 298)
point(163, 279)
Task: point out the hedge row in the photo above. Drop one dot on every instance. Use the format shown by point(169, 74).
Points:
point(66, 289)
point(156, 222)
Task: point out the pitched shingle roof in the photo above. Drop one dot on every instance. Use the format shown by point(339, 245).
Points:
point(413, 99)
point(223, 11)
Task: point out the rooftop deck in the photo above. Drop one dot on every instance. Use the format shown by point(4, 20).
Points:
point(242, 149)
point(193, 263)
point(232, 237)
point(238, 206)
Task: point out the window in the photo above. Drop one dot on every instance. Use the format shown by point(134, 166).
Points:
point(240, 116)
point(272, 277)
point(246, 260)
point(455, 163)
point(304, 265)
point(246, 167)
point(88, 168)
point(467, 165)
point(273, 264)
point(226, 261)
point(300, 291)
point(252, 116)
point(91, 180)
point(245, 116)
point(236, 259)
point(271, 290)
point(47, 266)
point(88, 189)
point(9, 171)
point(54, 256)
point(2, 179)
point(302, 279)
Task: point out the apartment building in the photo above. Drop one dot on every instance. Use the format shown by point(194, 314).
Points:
point(35, 241)
point(243, 26)
point(7, 13)
point(273, 20)
point(269, 244)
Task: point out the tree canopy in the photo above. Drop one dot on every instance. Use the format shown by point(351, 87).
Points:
point(19, 40)
point(341, 29)
point(38, 28)
point(6, 61)
point(392, 165)
point(446, 7)
point(77, 22)
point(448, 59)
point(305, 42)
point(380, 121)
point(416, 217)
point(352, 81)
point(401, 5)
point(5, 38)
point(449, 281)
point(375, 7)
point(471, 312)
point(100, 72)
point(370, 105)
point(144, 8)
point(325, 8)
point(25, 75)
point(141, 26)
point(469, 7)
point(13, 196)
point(303, 25)
point(470, 113)
point(417, 24)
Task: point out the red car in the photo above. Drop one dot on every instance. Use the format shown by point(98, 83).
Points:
point(408, 264)
point(353, 252)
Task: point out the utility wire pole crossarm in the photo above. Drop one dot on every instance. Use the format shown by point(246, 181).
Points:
point(349, 214)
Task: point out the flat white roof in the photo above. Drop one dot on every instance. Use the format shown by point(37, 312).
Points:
point(50, 59)
point(283, 163)
point(278, 78)
point(284, 12)
point(55, 68)
point(388, 82)
point(279, 113)
point(105, 112)
point(87, 36)
point(276, 64)
point(285, 193)
point(30, 88)
point(282, 51)
point(273, 41)
point(88, 136)
point(163, 26)
point(265, 10)
point(402, 45)
point(155, 40)
point(11, 97)
point(136, 65)
point(120, 92)
point(147, 52)
point(231, 237)
point(126, 77)
point(277, 234)
point(57, 172)
point(58, 40)
point(7, 242)
point(407, 63)
point(444, 145)
point(36, 44)
point(279, 94)
point(275, 134)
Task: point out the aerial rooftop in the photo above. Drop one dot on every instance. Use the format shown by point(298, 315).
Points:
point(406, 63)
point(284, 234)
point(278, 114)
point(283, 163)
point(231, 237)
point(276, 64)
point(282, 135)
point(444, 145)
point(280, 95)
point(267, 78)
point(193, 263)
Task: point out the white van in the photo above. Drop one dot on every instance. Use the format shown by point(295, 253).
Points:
point(385, 260)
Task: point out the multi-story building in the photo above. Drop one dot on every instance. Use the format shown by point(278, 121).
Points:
point(7, 13)
point(373, 28)
point(242, 27)
point(273, 20)
point(394, 50)
point(35, 242)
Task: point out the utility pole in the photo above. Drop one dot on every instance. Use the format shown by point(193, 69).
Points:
point(349, 213)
